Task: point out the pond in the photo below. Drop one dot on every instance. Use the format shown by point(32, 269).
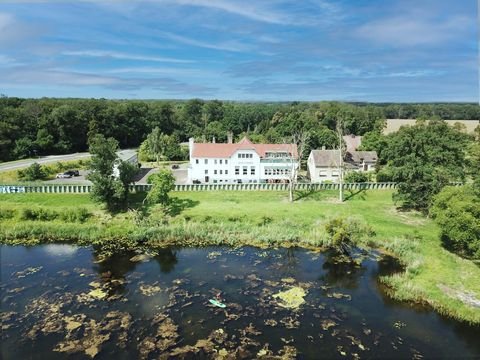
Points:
point(62, 301)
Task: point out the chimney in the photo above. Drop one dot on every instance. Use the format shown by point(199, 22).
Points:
point(230, 137)
point(213, 139)
point(191, 142)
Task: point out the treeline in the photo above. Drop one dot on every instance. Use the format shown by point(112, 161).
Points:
point(30, 127)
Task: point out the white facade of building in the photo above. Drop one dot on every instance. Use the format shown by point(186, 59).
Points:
point(129, 156)
point(243, 162)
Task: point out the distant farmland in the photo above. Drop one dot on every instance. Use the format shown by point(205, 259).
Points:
point(395, 124)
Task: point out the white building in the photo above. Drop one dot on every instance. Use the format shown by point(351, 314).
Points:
point(129, 156)
point(242, 162)
point(323, 165)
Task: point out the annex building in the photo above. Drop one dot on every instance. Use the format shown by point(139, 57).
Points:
point(323, 165)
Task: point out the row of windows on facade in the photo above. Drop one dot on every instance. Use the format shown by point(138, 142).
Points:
point(197, 161)
point(267, 171)
point(244, 156)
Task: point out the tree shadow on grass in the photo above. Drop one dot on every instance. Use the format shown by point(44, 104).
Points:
point(311, 194)
point(360, 194)
point(136, 199)
point(178, 205)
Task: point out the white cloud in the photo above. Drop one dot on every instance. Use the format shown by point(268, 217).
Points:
point(123, 56)
point(412, 30)
point(232, 45)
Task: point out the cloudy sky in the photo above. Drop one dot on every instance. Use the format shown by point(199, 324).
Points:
point(365, 50)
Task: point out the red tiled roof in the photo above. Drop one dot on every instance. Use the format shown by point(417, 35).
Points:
point(220, 150)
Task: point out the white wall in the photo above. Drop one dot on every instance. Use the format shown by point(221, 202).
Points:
point(247, 160)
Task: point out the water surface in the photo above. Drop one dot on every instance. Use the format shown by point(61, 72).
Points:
point(61, 301)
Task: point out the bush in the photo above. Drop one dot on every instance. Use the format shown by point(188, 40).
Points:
point(457, 211)
point(357, 177)
point(343, 233)
point(6, 214)
point(32, 173)
point(79, 215)
point(384, 175)
point(40, 214)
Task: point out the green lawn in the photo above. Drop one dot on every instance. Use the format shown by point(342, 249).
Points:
point(433, 275)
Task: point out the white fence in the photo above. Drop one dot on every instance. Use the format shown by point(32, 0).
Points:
point(67, 188)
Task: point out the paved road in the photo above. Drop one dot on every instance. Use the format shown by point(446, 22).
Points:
point(42, 160)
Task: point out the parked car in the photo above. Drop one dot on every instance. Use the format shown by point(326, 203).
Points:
point(72, 172)
point(175, 166)
point(196, 182)
point(64, 175)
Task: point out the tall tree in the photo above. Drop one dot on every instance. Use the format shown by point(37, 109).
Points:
point(422, 159)
point(107, 188)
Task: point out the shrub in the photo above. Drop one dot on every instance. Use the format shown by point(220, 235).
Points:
point(457, 211)
point(343, 233)
point(32, 173)
point(40, 214)
point(357, 177)
point(7, 214)
point(79, 215)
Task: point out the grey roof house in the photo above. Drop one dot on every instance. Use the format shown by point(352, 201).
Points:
point(323, 165)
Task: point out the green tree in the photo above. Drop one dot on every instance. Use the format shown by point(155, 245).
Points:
point(32, 173)
point(422, 159)
point(373, 141)
point(126, 177)
point(457, 211)
point(161, 146)
point(156, 143)
point(473, 160)
point(162, 183)
point(107, 188)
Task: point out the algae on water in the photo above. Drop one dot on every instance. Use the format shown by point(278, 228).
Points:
point(292, 298)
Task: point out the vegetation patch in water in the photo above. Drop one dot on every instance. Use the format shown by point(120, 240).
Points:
point(292, 298)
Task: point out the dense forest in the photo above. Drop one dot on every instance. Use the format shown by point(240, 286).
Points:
point(33, 127)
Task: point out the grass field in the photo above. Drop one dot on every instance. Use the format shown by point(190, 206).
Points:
point(432, 275)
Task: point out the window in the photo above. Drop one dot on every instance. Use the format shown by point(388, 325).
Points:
point(245, 170)
point(237, 170)
point(206, 161)
point(215, 172)
point(206, 172)
point(221, 171)
point(252, 170)
point(226, 162)
point(226, 172)
point(220, 161)
point(214, 181)
point(215, 161)
point(196, 161)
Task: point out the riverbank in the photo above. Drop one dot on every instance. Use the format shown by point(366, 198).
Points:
point(265, 219)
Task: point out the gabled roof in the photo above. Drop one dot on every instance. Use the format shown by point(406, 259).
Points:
point(220, 150)
point(331, 158)
point(360, 156)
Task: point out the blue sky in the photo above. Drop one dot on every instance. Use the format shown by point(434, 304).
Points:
point(362, 50)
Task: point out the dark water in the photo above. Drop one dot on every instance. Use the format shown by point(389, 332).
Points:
point(159, 307)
